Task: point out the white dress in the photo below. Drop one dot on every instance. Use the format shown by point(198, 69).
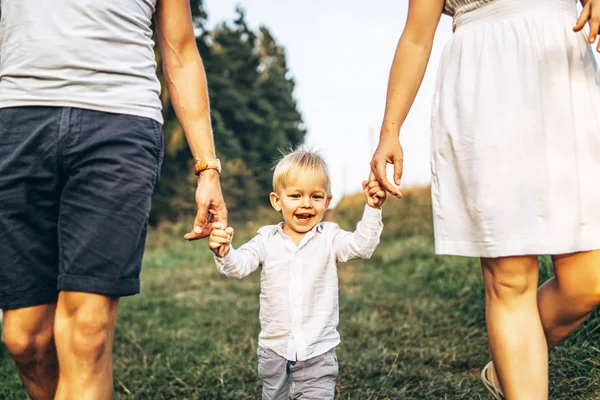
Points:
point(516, 132)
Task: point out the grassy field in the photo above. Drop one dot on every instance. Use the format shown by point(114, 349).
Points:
point(412, 324)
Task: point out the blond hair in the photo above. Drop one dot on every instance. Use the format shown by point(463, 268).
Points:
point(297, 162)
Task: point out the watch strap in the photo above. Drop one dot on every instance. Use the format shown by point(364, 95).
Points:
point(203, 165)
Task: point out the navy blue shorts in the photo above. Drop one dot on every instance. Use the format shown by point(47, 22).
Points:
point(75, 191)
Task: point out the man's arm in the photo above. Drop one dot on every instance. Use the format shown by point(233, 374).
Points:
point(186, 82)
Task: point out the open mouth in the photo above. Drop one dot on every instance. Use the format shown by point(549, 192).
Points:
point(304, 218)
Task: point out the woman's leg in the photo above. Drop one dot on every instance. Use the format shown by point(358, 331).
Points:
point(566, 300)
point(517, 340)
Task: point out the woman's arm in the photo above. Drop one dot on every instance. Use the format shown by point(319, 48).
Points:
point(410, 61)
point(408, 68)
point(590, 14)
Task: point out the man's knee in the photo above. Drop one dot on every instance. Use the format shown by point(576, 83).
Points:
point(88, 321)
point(28, 347)
point(28, 334)
point(91, 336)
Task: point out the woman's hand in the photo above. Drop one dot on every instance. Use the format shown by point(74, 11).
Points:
point(389, 151)
point(591, 14)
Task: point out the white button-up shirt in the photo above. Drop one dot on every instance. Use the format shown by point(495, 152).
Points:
point(299, 308)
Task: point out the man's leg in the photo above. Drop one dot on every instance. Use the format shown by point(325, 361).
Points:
point(84, 329)
point(112, 163)
point(28, 336)
point(30, 189)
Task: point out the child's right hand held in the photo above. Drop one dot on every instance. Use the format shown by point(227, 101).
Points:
point(220, 239)
point(374, 193)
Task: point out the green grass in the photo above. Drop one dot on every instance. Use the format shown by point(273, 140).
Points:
point(412, 324)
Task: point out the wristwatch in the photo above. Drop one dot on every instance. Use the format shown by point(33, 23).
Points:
point(203, 165)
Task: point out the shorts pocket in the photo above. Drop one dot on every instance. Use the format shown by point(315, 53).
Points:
point(158, 136)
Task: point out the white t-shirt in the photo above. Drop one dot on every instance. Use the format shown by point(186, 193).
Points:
point(79, 53)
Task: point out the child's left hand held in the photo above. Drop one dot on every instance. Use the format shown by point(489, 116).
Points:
point(220, 239)
point(374, 193)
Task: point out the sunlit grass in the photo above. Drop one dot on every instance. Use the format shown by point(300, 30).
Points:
point(412, 324)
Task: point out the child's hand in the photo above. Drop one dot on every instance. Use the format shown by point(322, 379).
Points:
point(220, 239)
point(374, 193)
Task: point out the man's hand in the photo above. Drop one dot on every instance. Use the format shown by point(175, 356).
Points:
point(388, 151)
point(374, 193)
point(591, 14)
point(211, 206)
point(220, 239)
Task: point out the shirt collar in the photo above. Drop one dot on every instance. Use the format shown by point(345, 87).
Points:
point(279, 228)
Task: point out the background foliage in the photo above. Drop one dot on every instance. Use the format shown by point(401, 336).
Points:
point(254, 116)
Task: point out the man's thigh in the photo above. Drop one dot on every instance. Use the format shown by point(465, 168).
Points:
point(112, 164)
point(30, 186)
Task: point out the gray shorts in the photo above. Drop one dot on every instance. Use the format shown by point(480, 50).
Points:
point(75, 191)
point(312, 379)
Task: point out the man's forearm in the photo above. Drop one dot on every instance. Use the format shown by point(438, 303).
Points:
point(186, 82)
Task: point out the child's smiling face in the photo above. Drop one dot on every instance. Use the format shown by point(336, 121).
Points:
point(302, 203)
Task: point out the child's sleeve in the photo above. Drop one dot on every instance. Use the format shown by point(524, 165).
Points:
point(362, 242)
point(243, 261)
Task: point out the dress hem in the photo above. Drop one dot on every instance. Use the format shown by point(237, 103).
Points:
point(513, 248)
